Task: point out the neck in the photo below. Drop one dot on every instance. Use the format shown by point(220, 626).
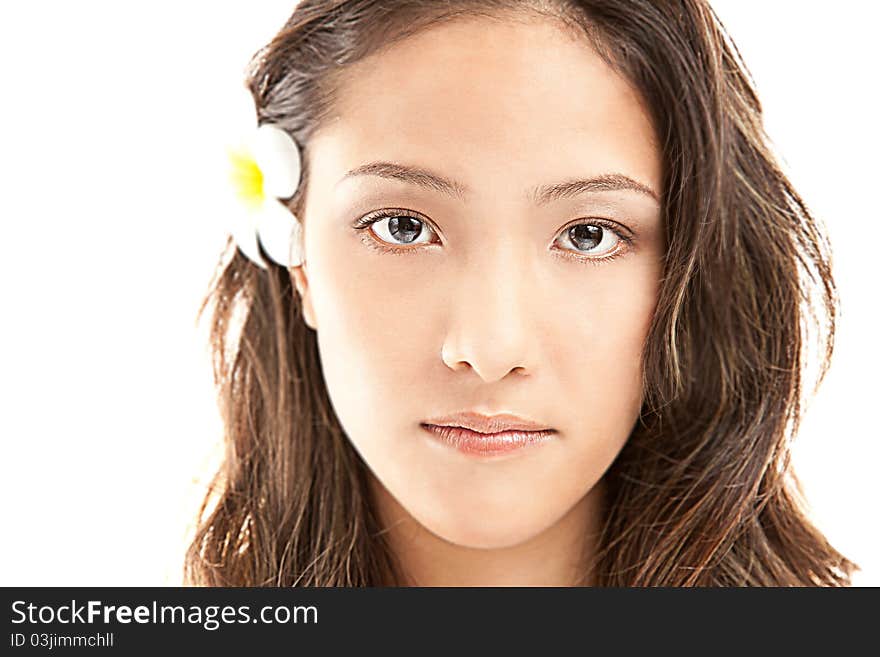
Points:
point(555, 557)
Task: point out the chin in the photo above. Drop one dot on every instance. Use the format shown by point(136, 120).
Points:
point(475, 532)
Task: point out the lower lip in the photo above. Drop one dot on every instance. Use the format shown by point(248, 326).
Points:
point(487, 444)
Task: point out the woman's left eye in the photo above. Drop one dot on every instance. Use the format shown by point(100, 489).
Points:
point(593, 238)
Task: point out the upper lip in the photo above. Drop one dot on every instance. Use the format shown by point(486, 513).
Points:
point(488, 423)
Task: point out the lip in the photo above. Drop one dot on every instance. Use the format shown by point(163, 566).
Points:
point(488, 423)
point(487, 435)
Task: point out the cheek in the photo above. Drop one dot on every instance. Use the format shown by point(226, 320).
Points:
point(599, 340)
point(595, 359)
point(376, 317)
point(375, 336)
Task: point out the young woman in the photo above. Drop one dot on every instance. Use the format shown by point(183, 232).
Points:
point(549, 325)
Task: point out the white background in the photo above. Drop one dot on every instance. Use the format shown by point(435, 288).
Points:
point(112, 125)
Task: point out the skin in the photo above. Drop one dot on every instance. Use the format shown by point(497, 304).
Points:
point(494, 311)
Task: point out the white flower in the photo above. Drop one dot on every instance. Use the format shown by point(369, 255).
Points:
point(264, 167)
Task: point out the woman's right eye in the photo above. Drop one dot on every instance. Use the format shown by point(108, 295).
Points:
point(397, 228)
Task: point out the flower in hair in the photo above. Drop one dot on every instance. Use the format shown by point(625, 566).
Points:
point(264, 170)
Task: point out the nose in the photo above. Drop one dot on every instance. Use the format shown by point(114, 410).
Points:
point(491, 318)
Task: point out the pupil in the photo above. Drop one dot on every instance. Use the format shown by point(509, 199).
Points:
point(585, 233)
point(405, 228)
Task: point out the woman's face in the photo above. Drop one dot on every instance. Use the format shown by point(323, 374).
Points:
point(474, 295)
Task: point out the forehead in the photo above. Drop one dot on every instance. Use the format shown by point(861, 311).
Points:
point(523, 98)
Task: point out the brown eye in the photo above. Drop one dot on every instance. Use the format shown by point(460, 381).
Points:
point(405, 229)
point(591, 238)
point(398, 228)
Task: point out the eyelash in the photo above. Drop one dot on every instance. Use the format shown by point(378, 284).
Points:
point(377, 245)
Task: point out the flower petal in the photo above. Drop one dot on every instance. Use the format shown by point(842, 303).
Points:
point(243, 228)
point(280, 233)
point(278, 157)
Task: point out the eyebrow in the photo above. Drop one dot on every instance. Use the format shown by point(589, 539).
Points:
point(540, 195)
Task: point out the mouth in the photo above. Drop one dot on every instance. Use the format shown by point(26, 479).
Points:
point(486, 444)
point(482, 435)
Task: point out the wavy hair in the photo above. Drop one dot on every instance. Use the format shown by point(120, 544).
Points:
point(703, 493)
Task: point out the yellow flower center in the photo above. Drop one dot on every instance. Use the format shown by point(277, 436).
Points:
point(247, 179)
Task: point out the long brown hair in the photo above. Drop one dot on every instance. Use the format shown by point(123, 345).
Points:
point(703, 492)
